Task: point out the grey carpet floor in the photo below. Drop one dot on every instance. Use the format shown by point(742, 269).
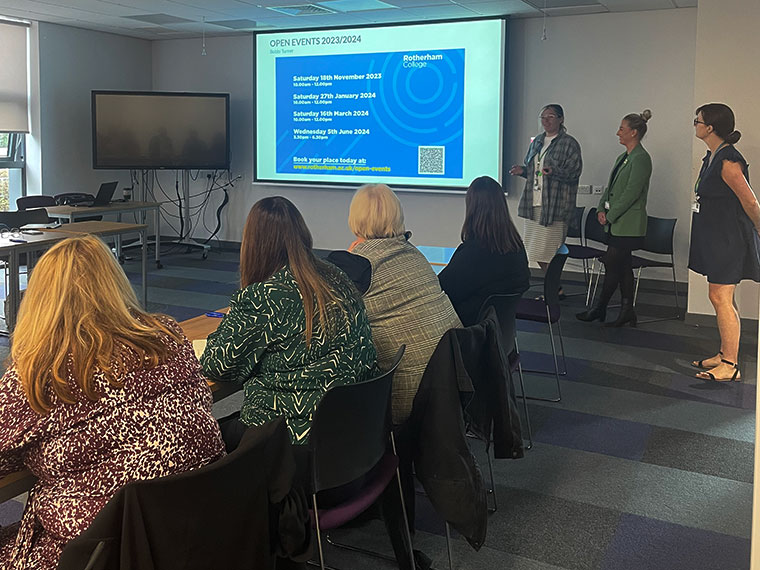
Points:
point(640, 466)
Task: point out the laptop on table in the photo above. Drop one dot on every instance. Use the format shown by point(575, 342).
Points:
point(104, 196)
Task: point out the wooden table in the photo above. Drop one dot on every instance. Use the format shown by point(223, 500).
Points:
point(15, 484)
point(33, 244)
point(73, 213)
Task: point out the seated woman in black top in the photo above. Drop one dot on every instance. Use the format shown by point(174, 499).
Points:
point(491, 258)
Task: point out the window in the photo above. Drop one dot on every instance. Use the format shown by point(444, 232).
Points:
point(11, 168)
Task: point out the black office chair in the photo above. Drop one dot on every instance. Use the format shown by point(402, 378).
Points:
point(30, 202)
point(17, 219)
point(184, 520)
point(506, 311)
point(593, 231)
point(547, 310)
point(351, 438)
point(578, 250)
point(74, 198)
point(659, 240)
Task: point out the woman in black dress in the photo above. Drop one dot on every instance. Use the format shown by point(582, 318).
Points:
point(725, 245)
point(491, 258)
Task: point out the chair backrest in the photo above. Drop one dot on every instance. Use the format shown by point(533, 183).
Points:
point(574, 231)
point(185, 520)
point(593, 230)
point(29, 202)
point(22, 217)
point(552, 279)
point(659, 238)
point(68, 198)
point(350, 431)
point(506, 308)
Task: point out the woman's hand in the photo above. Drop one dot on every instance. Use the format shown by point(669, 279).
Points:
point(547, 170)
point(356, 242)
point(517, 170)
point(602, 217)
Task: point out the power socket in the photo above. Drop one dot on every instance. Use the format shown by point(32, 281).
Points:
point(598, 188)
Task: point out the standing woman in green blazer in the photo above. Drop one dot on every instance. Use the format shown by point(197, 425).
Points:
point(622, 211)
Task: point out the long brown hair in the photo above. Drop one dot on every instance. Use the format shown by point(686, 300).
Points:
point(276, 235)
point(487, 217)
point(78, 313)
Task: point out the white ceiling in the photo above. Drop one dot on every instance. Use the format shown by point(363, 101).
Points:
point(164, 19)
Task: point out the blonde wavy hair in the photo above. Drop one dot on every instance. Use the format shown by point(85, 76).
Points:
point(78, 313)
point(375, 212)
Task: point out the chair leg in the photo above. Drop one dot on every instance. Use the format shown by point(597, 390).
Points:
point(556, 363)
point(448, 546)
point(562, 346)
point(492, 490)
point(403, 507)
point(319, 534)
point(589, 282)
point(675, 287)
point(636, 289)
point(522, 395)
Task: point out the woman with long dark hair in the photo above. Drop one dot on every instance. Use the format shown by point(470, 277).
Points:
point(296, 327)
point(622, 211)
point(725, 246)
point(491, 258)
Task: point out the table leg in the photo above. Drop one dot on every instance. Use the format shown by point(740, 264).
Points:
point(157, 229)
point(14, 291)
point(144, 247)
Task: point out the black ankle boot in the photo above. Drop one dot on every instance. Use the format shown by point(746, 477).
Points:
point(598, 312)
point(627, 315)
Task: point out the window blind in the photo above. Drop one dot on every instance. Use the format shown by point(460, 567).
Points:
point(14, 93)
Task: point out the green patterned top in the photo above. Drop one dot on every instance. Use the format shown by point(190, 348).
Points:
point(262, 342)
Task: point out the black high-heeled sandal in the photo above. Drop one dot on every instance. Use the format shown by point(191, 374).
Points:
point(734, 378)
point(701, 363)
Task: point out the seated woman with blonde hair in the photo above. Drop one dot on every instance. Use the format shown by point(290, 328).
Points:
point(99, 393)
point(405, 304)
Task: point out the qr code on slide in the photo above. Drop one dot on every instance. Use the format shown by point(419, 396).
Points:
point(430, 160)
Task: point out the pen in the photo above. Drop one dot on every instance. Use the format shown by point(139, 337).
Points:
point(17, 240)
point(214, 314)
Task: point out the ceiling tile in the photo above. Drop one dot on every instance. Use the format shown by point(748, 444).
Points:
point(354, 5)
point(559, 3)
point(159, 19)
point(244, 24)
point(636, 5)
point(575, 10)
point(388, 16)
point(686, 3)
point(494, 8)
point(415, 3)
point(443, 11)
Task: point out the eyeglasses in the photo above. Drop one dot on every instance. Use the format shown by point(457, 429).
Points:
point(547, 117)
point(698, 122)
point(6, 233)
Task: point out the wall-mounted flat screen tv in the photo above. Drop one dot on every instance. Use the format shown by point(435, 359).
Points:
point(160, 130)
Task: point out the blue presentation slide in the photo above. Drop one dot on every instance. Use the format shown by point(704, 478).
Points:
point(389, 114)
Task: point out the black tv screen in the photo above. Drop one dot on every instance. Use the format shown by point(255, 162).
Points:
point(154, 130)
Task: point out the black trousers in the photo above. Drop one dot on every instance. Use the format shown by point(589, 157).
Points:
point(618, 270)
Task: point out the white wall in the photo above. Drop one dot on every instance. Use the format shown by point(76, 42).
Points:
point(72, 62)
point(720, 76)
point(601, 67)
point(228, 67)
point(598, 67)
